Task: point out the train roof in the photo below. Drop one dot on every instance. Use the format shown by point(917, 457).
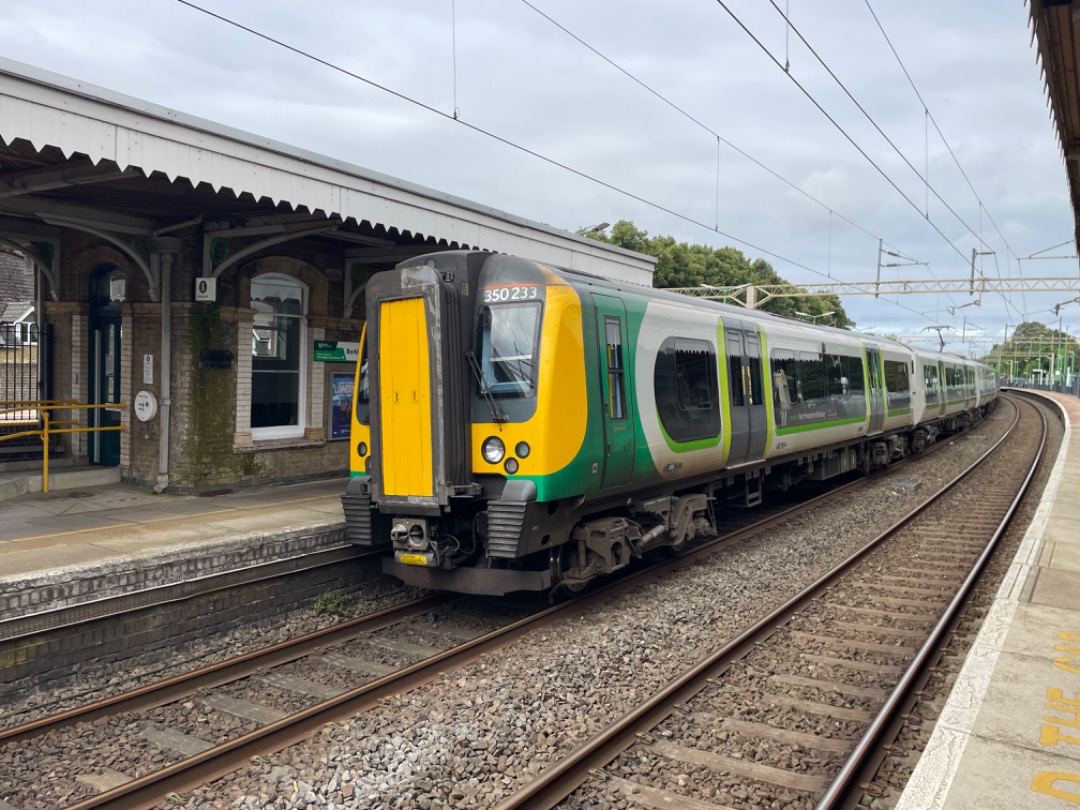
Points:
point(755, 315)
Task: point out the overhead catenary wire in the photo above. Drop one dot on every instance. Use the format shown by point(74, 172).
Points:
point(930, 118)
point(690, 117)
point(873, 123)
point(830, 118)
point(512, 144)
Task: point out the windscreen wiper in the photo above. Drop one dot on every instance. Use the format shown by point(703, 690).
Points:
point(497, 416)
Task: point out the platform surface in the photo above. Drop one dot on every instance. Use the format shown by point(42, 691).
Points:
point(1009, 736)
point(78, 544)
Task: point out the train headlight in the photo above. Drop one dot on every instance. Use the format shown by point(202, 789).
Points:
point(522, 449)
point(511, 466)
point(493, 450)
point(361, 449)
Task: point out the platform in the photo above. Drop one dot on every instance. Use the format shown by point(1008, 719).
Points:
point(1009, 735)
point(89, 542)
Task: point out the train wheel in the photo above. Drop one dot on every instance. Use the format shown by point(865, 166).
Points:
point(561, 563)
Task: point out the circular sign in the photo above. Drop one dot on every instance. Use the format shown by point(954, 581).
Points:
point(145, 406)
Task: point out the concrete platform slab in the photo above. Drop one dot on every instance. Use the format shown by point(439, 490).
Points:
point(1066, 556)
point(99, 542)
point(1057, 588)
point(990, 775)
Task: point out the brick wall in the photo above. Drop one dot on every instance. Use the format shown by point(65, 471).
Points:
point(210, 445)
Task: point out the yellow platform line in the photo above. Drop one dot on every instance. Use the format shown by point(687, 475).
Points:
point(166, 519)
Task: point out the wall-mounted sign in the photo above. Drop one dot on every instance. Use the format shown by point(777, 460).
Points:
point(145, 406)
point(206, 288)
point(336, 351)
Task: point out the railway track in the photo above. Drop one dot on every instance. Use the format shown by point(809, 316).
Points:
point(274, 697)
point(799, 709)
point(189, 730)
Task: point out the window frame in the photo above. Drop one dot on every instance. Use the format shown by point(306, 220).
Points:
point(812, 390)
point(302, 370)
point(524, 389)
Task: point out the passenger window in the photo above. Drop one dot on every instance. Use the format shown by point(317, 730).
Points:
point(810, 388)
point(753, 373)
point(930, 379)
point(687, 389)
point(897, 387)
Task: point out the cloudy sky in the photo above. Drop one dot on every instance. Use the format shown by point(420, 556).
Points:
point(678, 116)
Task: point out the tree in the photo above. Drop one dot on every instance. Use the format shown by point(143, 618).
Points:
point(1035, 350)
point(680, 264)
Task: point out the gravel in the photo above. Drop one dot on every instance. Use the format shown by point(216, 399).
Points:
point(472, 738)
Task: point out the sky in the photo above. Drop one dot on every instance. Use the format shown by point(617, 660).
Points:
point(678, 116)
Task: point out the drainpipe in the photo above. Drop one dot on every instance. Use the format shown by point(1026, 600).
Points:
point(165, 247)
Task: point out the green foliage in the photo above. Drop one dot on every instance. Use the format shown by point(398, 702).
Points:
point(1035, 350)
point(334, 604)
point(680, 264)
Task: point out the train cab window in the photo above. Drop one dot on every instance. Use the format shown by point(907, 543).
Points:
point(509, 342)
point(897, 385)
point(616, 372)
point(687, 391)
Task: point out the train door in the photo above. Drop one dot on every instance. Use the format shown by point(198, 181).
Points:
point(746, 393)
point(405, 399)
point(876, 387)
point(618, 420)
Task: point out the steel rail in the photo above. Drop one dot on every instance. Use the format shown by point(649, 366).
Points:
point(162, 692)
point(197, 770)
point(166, 691)
point(224, 759)
point(561, 779)
point(853, 768)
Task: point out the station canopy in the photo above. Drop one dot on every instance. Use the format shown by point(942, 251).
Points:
point(78, 156)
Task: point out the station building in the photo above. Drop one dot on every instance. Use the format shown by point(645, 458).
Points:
point(202, 288)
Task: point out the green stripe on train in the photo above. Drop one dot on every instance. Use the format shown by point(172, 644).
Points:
point(786, 431)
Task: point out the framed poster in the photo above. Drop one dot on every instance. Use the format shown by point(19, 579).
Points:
point(341, 399)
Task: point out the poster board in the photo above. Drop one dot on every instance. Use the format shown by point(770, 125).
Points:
point(341, 400)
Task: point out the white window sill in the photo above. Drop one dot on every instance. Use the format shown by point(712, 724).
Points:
point(260, 445)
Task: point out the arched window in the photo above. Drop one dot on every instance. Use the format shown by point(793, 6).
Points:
point(278, 364)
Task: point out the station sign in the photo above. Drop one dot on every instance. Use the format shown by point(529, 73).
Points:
point(206, 288)
point(336, 351)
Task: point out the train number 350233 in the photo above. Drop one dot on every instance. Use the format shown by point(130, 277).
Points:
point(496, 294)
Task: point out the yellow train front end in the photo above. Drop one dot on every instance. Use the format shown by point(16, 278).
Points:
point(473, 401)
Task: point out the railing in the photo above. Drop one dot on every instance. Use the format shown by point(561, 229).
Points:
point(40, 411)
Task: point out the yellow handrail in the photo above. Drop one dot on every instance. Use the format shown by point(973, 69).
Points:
point(43, 407)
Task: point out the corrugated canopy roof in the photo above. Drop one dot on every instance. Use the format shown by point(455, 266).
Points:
point(70, 149)
point(1056, 24)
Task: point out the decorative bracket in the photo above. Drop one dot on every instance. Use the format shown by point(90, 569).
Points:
point(129, 250)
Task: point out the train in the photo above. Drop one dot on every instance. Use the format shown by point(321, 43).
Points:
point(523, 427)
